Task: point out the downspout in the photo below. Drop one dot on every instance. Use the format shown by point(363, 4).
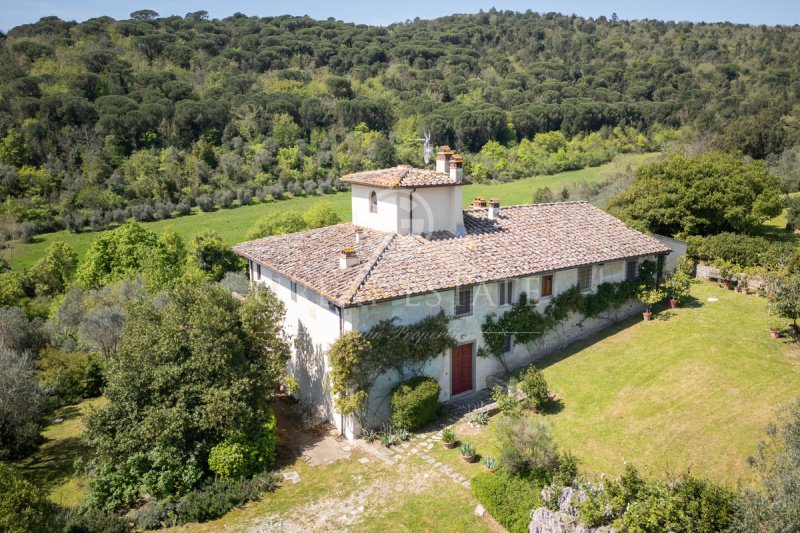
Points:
point(411, 211)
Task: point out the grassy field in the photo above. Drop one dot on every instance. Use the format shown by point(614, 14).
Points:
point(233, 224)
point(692, 390)
point(52, 466)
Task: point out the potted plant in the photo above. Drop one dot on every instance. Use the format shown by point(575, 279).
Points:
point(743, 279)
point(467, 451)
point(775, 328)
point(490, 464)
point(726, 271)
point(678, 286)
point(649, 297)
point(448, 438)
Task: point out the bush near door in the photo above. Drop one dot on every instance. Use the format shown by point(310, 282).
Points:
point(415, 402)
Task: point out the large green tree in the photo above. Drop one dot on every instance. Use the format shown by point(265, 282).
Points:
point(195, 367)
point(701, 195)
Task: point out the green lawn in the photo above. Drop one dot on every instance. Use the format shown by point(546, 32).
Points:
point(233, 224)
point(693, 390)
point(52, 466)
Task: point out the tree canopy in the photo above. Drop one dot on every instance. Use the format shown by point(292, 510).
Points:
point(706, 194)
point(194, 368)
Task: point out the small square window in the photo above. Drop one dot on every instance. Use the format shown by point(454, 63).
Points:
point(630, 270)
point(584, 278)
point(508, 344)
point(463, 301)
point(547, 286)
point(505, 292)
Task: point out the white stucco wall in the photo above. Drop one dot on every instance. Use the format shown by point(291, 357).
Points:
point(313, 326)
point(678, 250)
point(390, 204)
point(432, 209)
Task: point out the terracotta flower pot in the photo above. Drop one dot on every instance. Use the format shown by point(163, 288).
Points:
point(647, 315)
point(744, 290)
point(490, 470)
point(775, 334)
point(673, 303)
point(448, 445)
point(468, 458)
point(729, 285)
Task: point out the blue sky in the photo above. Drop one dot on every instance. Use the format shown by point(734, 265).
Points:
point(15, 12)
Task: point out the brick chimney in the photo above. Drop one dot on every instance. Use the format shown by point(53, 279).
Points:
point(456, 172)
point(494, 209)
point(479, 201)
point(443, 159)
point(348, 258)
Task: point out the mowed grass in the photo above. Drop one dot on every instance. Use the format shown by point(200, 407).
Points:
point(691, 391)
point(233, 224)
point(52, 467)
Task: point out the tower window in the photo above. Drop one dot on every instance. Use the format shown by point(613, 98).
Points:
point(373, 202)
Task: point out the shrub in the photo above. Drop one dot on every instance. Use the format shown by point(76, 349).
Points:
point(415, 402)
point(534, 386)
point(509, 499)
point(277, 223)
point(678, 286)
point(96, 521)
point(211, 501)
point(67, 377)
point(24, 507)
point(633, 503)
point(243, 456)
point(204, 203)
point(507, 402)
point(526, 446)
point(321, 214)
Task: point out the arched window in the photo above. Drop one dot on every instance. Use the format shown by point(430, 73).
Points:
point(373, 202)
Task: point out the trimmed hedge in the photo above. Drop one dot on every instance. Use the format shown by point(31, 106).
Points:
point(415, 402)
point(509, 499)
point(743, 250)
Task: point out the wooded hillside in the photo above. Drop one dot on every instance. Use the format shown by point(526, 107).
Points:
point(104, 120)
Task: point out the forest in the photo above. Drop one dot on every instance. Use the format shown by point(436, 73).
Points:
point(147, 118)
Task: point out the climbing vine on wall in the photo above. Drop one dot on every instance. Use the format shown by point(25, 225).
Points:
point(527, 324)
point(359, 358)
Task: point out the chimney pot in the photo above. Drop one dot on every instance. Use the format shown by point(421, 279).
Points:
point(348, 258)
point(494, 209)
point(443, 159)
point(456, 172)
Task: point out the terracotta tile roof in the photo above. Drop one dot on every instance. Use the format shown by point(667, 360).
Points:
point(524, 240)
point(401, 176)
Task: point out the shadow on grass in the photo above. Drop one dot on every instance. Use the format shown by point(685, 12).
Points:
point(54, 462)
point(553, 406)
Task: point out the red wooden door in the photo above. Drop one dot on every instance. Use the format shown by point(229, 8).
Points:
point(461, 371)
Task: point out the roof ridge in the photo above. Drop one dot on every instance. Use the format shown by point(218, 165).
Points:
point(367, 269)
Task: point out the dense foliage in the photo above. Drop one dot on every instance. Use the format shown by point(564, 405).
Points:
point(509, 499)
point(415, 402)
point(633, 503)
point(195, 367)
point(702, 195)
point(24, 507)
point(106, 120)
point(743, 250)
